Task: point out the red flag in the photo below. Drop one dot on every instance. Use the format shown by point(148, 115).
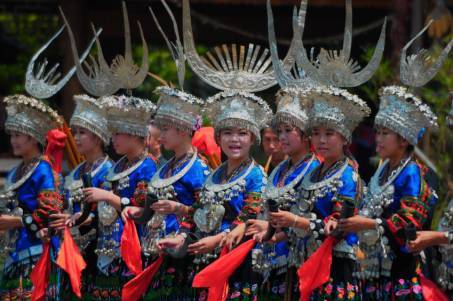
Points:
point(135, 288)
point(431, 292)
point(216, 293)
point(316, 270)
point(71, 261)
point(56, 140)
point(40, 275)
point(215, 276)
point(130, 247)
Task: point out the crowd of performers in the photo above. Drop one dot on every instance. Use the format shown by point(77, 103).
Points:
point(194, 228)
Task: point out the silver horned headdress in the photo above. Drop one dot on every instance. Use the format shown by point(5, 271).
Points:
point(176, 107)
point(30, 115)
point(292, 107)
point(400, 110)
point(90, 115)
point(332, 106)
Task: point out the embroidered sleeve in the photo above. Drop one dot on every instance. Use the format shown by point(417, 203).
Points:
point(414, 208)
point(49, 202)
point(139, 197)
point(251, 208)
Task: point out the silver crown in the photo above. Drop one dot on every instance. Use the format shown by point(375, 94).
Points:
point(404, 113)
point(176, 108)
point(89, 115)
point(400, 110)
point(335, 108)
point(238, 109)
point(30, 116)
point(128, 115)
point(292, 108)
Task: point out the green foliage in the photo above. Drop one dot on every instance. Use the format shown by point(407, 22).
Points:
point(31, 31)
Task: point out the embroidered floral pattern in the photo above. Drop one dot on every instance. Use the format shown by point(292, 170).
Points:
point(251, 209)
point(140, 193)
point(49, 202)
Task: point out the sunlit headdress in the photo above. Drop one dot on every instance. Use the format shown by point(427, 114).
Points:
point(125, 113)
point(30, 115)
point(332, 106)
point(90, 115)
point(402, 111)
point(176, 107)
point(238, 73)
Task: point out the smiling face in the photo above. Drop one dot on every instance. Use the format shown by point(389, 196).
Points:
point(328, 142)
point(86, 141)
point(291, 139)
point(389, 143)
point(22, 144)
point(236, 143)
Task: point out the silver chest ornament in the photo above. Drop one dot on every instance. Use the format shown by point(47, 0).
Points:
point(445, 269)
point(9, 204)
point(377, 256)
point(303, 242)
point(209, 217)
point(164, 190)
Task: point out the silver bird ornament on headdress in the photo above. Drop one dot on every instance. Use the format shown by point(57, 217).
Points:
point(98, 82)
point(335, 67)
point(43, 85)
point(400, 109)
point(415, 69)
point(176, 108)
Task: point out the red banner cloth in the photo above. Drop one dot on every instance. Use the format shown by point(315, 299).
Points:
point(135, 288)
point(72, 262)
point(39, 276)
point(215, 276)
point(316, 270)
point(130, 247)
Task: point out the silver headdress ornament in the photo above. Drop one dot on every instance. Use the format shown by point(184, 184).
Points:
point(335, 67)
point(128, 114)
point(238, 74)
point(292, 107)
point(44, 85)
point(99, 80)
point(175, 107)
point(332, 106)
point(233, 69)
point(400, 110)
point(29, 115)
point(90, 115)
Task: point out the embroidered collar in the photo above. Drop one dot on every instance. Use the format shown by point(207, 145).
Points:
point(211, 186)
point(113, 176)
point(158, 182)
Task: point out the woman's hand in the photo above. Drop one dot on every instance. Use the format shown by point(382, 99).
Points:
point(43, 234)
point(255, 226)
point(73, 220)
point(205, 245)
point(356, 224)
point(171, 242)
point(330, 226)
point(131, 212)
point(427, 239)
point(8, 222)
point(58, 220)
point(233, 238)
point(95, 195)
point(167, 207)
point(283, 219)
